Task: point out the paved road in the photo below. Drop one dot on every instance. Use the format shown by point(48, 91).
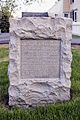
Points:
point(76, 41)
point(5, 38)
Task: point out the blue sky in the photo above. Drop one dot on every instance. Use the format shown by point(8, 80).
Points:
point(34, 7)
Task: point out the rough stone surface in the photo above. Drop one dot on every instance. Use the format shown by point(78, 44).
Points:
point(36, 91)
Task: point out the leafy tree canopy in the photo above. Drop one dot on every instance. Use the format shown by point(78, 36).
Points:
point(7, 7)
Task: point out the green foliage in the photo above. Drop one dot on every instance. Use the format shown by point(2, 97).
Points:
point(59, 111)
point(7, 7)
point(4, 24)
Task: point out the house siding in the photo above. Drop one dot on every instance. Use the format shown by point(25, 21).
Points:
point(66, 6)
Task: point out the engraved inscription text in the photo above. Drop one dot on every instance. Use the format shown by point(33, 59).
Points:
point(40, 59)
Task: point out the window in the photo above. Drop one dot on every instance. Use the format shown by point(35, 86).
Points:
point(66, 15)
point(71, 1)
point(56, 15)
point(73, 15)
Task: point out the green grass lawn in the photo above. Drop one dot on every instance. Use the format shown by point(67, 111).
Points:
point(59, 111)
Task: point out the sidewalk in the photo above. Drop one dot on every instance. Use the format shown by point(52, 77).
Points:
point(4, 38)
point(76, 40)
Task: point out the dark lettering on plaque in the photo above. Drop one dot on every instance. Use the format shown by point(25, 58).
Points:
point(40, 59)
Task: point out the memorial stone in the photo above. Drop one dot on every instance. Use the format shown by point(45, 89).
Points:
point(40, 60)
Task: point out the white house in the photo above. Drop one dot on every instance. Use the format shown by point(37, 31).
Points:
point(70, 9)
point(56, 9)
point(75, 14)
